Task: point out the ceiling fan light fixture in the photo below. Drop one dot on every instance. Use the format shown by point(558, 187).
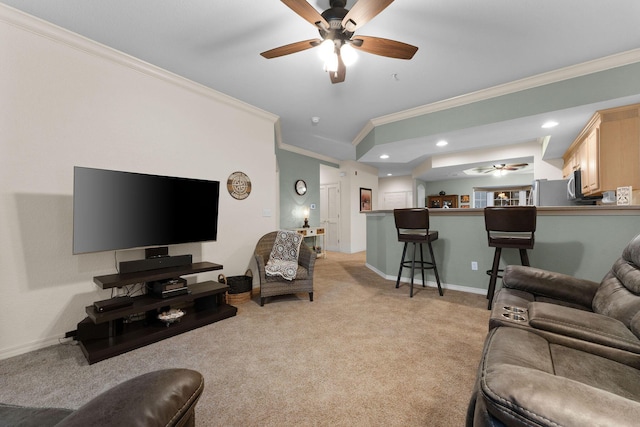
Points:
point(326, 50)
point(349, 54)
point(331, 63)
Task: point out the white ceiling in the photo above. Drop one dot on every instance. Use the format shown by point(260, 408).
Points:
point(465, 46)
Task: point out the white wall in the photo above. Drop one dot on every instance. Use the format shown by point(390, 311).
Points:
point(357, 176)
point(67, 101)
point(394, 190)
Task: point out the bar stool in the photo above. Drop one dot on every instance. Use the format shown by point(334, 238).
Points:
point(412, 225)
point(510, 227)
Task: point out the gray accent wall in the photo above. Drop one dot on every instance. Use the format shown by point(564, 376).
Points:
point(292, 167)
point(580, 245)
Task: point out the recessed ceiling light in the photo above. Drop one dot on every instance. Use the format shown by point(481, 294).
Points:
point(550, 124)
point(384, 156)
point(442, 143)
point(389, 174)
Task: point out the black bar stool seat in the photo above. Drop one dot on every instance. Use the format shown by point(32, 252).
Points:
point(412, 226)
point(509, 227)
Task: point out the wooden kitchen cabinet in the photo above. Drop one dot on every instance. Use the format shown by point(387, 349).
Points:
point(450, 201)
point(571, 164)
point(590, 174)
point(607, 151)
point(620, 148)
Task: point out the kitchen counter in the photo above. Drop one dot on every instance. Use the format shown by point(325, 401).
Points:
point(582, 241)
point(542, 210)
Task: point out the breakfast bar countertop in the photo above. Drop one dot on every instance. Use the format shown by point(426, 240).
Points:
point(542, 210)
point(582, 241)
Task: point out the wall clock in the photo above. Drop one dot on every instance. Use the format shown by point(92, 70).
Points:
point(301, 187)
point(239, 185)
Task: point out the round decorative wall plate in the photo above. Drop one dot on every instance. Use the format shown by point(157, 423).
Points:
point(239, 185)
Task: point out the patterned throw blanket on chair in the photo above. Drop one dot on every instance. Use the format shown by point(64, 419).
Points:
point(283, 260)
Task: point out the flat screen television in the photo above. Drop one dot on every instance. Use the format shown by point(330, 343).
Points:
point(122, 210)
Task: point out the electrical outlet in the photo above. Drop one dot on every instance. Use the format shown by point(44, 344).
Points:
point(474, 265)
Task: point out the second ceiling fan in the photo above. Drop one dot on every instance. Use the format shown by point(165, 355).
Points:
point(337, 26)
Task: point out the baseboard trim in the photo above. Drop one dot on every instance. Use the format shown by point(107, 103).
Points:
point(430, 283)
point(31, 346)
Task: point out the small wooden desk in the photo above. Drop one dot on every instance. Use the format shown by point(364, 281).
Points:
point(314, 232)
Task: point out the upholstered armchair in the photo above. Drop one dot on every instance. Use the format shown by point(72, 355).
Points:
point(160, 398)
point(276, 285)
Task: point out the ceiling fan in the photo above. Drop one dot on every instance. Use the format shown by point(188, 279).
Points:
point(500, 168)
point(337, 26)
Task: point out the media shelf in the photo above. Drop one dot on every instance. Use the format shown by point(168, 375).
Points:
point(122, 279)
point(108, 334)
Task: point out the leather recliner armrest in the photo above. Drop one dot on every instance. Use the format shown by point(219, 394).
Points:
point(550, 284)
point(159, 398)
point(583, 325)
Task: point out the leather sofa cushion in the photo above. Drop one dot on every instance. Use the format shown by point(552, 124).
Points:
point(583, 325)
point(614, 298)
point(11, 415)
point(525, 380)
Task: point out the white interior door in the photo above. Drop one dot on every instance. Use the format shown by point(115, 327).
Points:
point(330, 215)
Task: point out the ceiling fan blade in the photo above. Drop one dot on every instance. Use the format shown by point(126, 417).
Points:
point(384, 47)
point(291, 48)
point(308, 12)
point(362, 12)
point(339, 75)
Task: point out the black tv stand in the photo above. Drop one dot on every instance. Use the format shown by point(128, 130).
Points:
point(116, 334)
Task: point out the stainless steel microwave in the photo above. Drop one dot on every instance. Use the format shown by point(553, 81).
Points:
point(574, 190)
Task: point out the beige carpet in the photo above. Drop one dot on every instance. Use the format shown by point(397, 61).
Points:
point(362, 354)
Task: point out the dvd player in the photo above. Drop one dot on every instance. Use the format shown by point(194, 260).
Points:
point(172, 292)
point(168, 288)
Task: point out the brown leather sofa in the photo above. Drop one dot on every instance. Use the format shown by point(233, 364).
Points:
point(525, 380)
point(160, 398)
point(562, 350)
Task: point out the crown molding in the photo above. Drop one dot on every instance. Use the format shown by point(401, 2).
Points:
point(302, 151)
point(368, 127)
point(578, 70)
point(70, 39)
point(294, 149)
